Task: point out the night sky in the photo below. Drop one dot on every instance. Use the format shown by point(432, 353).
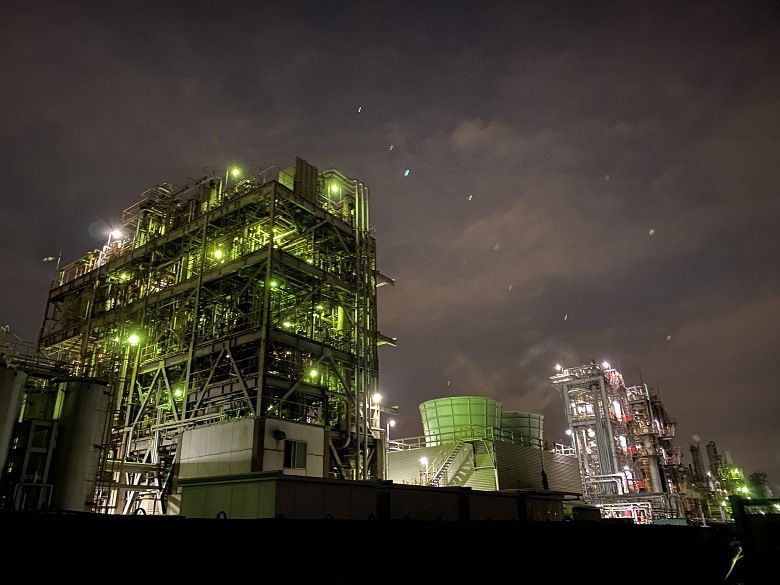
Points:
point(586, 180)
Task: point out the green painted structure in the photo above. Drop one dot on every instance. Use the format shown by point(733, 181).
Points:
point(524, 425)
point(459, 418)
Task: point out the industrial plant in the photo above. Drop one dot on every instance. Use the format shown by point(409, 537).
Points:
point(623, 439)
point(218, 356)
point(226, 326)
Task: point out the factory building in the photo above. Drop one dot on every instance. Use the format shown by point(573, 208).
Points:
point(227, 326)
point(474, 462)
point(227, 333)
point(219, 355)
point(623, 440)
point(471, 441)
point(713, 485)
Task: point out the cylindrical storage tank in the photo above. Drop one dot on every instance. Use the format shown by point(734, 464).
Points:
point(80, 438)
point(12, 383)
point(526, 427)
point(459, 418)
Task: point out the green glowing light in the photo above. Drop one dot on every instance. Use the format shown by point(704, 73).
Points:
point(471, 197)
point(133, 339)
point(651, 232)
point(124, 276)
point(313, 373)
point(177, 393)
point(287, 324)
point(334, 188)
point(236, 171)
point(274, 284)
point(218, 254)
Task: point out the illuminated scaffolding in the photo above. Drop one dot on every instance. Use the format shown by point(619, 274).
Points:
point(227, 298)
point(623, 441)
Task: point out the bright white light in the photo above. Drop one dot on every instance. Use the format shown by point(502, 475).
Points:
point(591, 433)
point(558, 367)
point(605, 365)
point(424, 460)
point(568, 431)
point(391, 422)
point(116, 234)
point(376, 398)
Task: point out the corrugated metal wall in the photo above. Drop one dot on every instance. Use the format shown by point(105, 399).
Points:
point(484, 475)
point(520, 467)
point(405, 466)
point(306, 177)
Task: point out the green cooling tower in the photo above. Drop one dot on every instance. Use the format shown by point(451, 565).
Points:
point(525, 426)
point(459, 418)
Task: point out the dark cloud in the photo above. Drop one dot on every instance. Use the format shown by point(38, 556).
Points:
point(585, 181)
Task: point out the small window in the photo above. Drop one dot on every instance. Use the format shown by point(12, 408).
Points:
point(295, 454)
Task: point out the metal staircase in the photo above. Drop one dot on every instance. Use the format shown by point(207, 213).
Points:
point(454, 461)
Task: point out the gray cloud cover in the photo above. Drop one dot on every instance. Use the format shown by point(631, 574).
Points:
point(586, 181)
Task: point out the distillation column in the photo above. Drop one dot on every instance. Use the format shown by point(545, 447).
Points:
point(588, 415)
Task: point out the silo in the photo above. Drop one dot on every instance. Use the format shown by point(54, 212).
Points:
point(526, 427)
point(459, 418)
point(80, 438)
point(12, 383)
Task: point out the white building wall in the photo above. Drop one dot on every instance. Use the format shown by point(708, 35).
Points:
point(312, 435)
point(227, 448)
point(218, 449)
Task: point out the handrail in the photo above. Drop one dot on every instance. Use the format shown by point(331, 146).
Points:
point(474, 432)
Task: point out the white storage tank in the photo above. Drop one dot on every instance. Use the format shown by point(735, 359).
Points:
point(12, 383)
point(80, 438)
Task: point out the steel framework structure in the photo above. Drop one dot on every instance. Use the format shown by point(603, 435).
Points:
point(623, 440)
point(224, 299)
